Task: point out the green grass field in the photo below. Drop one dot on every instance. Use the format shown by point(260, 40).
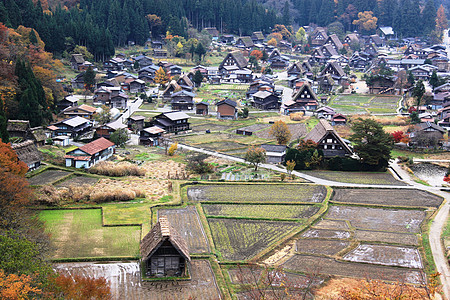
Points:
point(79, 234)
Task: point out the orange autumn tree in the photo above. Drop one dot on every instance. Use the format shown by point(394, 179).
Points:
point(78, 287)
point(256, 53)
point(13, 287)
point(366, 21)
point(441, 19)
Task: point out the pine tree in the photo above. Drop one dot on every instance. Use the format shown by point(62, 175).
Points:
point(200, 50)
point(286, 18)
point(429, 17)
point(434, 80)
point(326, 14)
point(198, 78)
point(89, 79)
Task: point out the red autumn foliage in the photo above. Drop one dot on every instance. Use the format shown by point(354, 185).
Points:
point(306, 145)
point(398, 136)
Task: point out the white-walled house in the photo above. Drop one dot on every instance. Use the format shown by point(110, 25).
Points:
point(88, 155)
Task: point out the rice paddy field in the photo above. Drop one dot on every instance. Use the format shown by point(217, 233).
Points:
point(365, 104)
point(372, 178)
point(263, 193)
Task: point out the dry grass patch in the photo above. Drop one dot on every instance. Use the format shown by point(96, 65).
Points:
point(120, 169)
point(397, 120)
point(137, 187)
point(164, 169)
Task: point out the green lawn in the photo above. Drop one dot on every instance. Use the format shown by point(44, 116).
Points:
point(80, 234)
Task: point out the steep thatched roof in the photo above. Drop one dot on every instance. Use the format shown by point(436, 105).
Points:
point(27, 152)
point(18, 125)
point(160, 233)
point(239, 58)
point(38, 134)
point(321, 130)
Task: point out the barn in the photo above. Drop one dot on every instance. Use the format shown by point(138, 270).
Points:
point(164, 252)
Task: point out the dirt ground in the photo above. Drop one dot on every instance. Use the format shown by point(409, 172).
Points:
point(316, 246)
point(47, 177)
point(386, 255)
point(77, 180)
point(125, 283)
point(388, 197)
point(186, 221)
point(379, 219)
point(325, 265)
point(387, 237)
point(326, 234)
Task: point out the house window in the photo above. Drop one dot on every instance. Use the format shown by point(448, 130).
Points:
point(329, 141)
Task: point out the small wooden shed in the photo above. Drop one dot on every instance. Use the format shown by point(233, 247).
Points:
point(164, 252)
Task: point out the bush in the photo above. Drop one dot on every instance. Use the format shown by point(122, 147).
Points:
point(172, 149)
point(282, 176)
point(298, 116)
point(108, 168)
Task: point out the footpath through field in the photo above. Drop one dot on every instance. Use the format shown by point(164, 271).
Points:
point(436, 225)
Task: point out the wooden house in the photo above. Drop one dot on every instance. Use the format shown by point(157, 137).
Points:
point(72, 127)
point(338, 119)
point(425, 134)
point(172, 87)
point(327, 139)
point(136, 122)
point(233, 59)
point(160, 53)
point(259, 85)
point(212, 31)
point(244, 42)
point(417, 51)
point(78, 81)
point(119, 101)
point(266, 100)
point(76, 61)
point(28, 153)
point(137, 86)
point(114, 64)
point(106, 130)
point(38, 135)
point(68, 101)
point(275, 154)
point(182, 100)
point(387, 32)
point(147, 73)
point(164, 253)
point(351, 39)
point(325, 112)
point(143, 61)
point(371, 49)
point(88, 155)
point(18, 130)
point(201, 108)
point(382, 84)
point(328, 51)
point(295, 69)
point(157, 44)
point(375, 39)
point(318, 37)
point(185, 83)
point(226, 109)
point(151, 136)
point(172, 122)
point(335, 42)
point(257, 37)
point(303, 100)
point(84, 110)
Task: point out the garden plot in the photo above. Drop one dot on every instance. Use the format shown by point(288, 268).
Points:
point(125, 281)
point(331, 224)
point(242, 239)
point(164, 169)
point(382, 178)
point(383, 105)
point(388, 197)
point(379, 219)
point(261, 211)
point(79, 234)
point(255, 127)
point(245, 275)
point(297, 131)
point(387, 237)
point(330, 266)
point(262, 193)
point(47, 177)
point(223, 146)
point(187, 223)
point(77, 181)
point(318, 246)
point(386, 255)
point(209, 126)
point(326, 234)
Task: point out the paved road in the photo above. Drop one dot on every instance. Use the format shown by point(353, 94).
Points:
point(436, 226)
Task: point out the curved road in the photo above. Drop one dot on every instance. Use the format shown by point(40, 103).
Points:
point(436, 225)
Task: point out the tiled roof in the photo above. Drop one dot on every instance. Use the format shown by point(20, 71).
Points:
point(96, 146)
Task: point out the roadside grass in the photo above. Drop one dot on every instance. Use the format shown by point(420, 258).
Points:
point(446, 234)
point(79, 234)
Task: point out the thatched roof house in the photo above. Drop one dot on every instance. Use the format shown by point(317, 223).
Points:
point(328, 140)
point(29, 154)
point(164, 252)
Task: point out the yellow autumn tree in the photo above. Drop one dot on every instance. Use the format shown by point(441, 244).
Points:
point(366, 21)
point(272, 42)
point(281, 132)
point(161, 76)
point(14, 286)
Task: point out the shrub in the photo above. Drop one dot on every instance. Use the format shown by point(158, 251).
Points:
point(172, 149)
point(298, 116)
point(108, 168)
point(282, 176)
